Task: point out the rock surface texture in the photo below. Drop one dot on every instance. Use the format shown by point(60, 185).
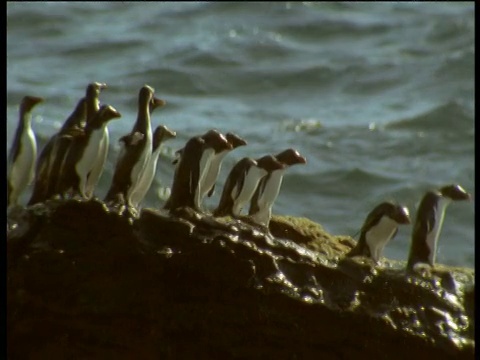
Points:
point(86, 283)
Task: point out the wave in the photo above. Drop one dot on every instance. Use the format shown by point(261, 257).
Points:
point(446, 117)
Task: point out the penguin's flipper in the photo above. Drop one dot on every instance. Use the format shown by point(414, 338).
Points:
point(212, 190)
point(372, 219)
point(421, 229)
point(239, 185)
point(360, 248)
point(394, 233)
point(190, 184)
point(254, 208)
point(132, 139)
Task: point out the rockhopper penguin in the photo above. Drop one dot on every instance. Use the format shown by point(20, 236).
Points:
point(428, 223)
point(82, 151)
point(269, 187)
point(242, 182)
point(160, 135)
point(23, 152)
point(380, 226)
point(194, 161)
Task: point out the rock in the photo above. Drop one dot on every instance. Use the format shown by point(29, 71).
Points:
point(85, 282)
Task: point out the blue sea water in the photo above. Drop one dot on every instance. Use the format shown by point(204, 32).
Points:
point(379, 97)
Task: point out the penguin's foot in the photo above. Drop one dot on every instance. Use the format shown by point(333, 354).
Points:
point(256, 225)
point(187, 213)
point(131, 211)
point(422, 269)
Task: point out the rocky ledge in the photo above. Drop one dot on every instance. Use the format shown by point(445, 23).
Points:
point(85, 282)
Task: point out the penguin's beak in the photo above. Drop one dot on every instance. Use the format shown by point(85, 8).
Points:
point(156, 102)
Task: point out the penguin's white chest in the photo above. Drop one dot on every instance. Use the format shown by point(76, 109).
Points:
point(205, 162)
point(146, 178)
point(271, 189)
point(433, 234)
point(378, 236)
point(28, 153)
point(99, 162)
point(139, 166)
point(204, 165)
point(211, 173)
point(91, 152)
point(253, 176)
point(22, 171)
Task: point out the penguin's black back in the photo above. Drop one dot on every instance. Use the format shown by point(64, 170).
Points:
point(41, 181)
point(424, 223)
point(121, 181)
point(373, 218)
point(187, 176)
point(235, 177)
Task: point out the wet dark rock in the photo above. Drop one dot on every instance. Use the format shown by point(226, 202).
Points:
point(86, 282)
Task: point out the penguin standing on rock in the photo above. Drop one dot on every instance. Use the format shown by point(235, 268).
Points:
point(242, 182)
point(210, 172)
point(187, 175)
point(160, 135)
point(83, 149)
point(136, 151)
point(52, 155)
point(190, 170)
point(269, 187)
point(23, 152)
point(429, 221)
point(380, 226)
point(207, 185)
point(93, 106)
point(215, 143)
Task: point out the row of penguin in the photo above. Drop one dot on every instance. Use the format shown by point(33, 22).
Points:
point(71, 163)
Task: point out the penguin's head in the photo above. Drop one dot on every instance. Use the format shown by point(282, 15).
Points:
point(400, 214)
point(28, 102)
point(107, 113)
point(161, 134)
point(193, 145)
point(269, 163)
point(395, 212)
point(145, 95)
point(235, 140)
point(291, 157)
point(454, 192)
point(94, 89)
point(217, 141)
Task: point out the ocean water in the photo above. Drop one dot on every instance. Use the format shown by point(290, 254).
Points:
point(379, 97)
